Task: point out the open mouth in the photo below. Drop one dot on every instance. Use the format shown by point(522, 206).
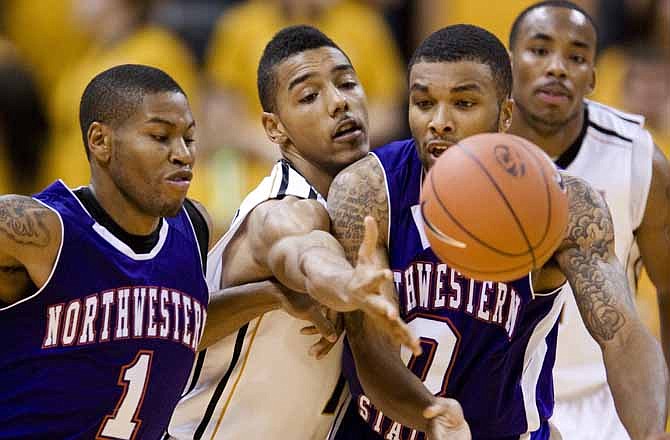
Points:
point(436, 148)
point(347, 131)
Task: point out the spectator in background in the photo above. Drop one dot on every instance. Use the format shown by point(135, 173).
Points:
point(119, 33)
point(232, 113)
point(58, 33)
point(23, 125)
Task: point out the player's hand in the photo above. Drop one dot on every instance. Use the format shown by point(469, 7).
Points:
point(365, 290)
point(447, 421)
point(659, 436)
point(304, 307)
point(323, 346)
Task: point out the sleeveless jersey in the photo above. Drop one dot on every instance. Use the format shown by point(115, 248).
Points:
point(614, 154)
point(260, 382)
point(489, 345)
point(104, 348)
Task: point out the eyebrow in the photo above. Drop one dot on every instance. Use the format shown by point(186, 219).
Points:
point(419, 88)
point(305, 77)
point(159, 120)
point(545, 37)
point(472, 87)
point(541, 36)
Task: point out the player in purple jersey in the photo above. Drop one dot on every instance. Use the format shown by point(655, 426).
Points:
point(488, 345)
point(101, 288)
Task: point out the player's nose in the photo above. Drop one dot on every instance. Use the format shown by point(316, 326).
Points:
point(441, 121)
point(181, 153)
point(337, 101)
point(556, 66)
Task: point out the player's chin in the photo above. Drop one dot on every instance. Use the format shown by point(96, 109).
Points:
point(170, 208)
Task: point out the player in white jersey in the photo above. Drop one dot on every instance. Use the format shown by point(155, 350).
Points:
point(261, 382)
point(553, 70)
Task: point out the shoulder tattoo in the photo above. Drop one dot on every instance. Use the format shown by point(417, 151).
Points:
point(358, 191)
point(22, 221)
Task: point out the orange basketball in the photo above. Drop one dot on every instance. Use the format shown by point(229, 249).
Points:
point(494, 207)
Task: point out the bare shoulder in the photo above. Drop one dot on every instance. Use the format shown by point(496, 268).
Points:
point(660, 176)
point(274, 219)
point(358, 191)
point(589, 219)
point(24, 222)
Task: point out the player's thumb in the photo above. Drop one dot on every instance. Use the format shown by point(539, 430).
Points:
point(449, 408)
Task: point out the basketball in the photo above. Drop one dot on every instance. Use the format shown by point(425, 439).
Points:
point(494, 207)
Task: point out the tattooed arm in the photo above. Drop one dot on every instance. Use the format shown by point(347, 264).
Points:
point(653, 237)
point(634, 362)
point(356, 193)
point(30, 236)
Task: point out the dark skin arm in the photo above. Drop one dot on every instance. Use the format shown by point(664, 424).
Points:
point(636, 370)
point(356, 193)
point(232, 307)
point(653, 238)
point(30, 237)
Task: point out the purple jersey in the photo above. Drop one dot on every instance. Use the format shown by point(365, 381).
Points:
point(104, 348)
point(489, 345)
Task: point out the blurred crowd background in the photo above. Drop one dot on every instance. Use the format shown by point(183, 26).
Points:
point(50, 49)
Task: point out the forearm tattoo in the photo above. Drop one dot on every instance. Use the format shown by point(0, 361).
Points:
point(357, 192)
point(22, 221)
point(586, 256)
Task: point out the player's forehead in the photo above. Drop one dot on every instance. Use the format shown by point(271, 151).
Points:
point(444, 78)
point(554, 23)
point(168, 108)
point(311, 64)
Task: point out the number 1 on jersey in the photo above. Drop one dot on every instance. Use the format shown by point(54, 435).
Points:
point(134, 377)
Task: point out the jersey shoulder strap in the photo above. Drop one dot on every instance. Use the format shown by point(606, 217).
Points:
point(201, 229)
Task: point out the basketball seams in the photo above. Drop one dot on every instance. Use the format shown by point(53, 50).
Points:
point(504, 198)
point(457, 223)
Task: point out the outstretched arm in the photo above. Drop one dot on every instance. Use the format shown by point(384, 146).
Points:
point(635, 366)
point(356, 193)
point(653, 237)
point(289, 237)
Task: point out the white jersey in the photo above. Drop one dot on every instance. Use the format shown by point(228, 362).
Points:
point(259, 383)
point(614, 154)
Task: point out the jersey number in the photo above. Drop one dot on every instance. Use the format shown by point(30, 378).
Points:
point(134, 377)
point(440, 341)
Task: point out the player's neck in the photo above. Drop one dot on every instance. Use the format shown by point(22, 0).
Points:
point(554, 142)
point(319, 178)
point(124, 212)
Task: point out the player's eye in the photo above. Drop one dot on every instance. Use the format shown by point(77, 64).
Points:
point(578, 59)
point(423, 104)
point(159, 137)
point(464, 103)
point(189, 141)
point(539, 51)
point(348, 85)
point(308, 99)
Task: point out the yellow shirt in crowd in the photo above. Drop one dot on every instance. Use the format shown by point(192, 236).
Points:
point(65, 157)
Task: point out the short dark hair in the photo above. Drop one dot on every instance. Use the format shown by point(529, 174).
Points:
point(548, 4)
point(113, 95)
point(464, 42)
point(286, 43)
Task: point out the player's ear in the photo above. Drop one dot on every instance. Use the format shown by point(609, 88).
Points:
point(99, 138)
point(592, 83)
point(274, 129)
point(505, 115)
